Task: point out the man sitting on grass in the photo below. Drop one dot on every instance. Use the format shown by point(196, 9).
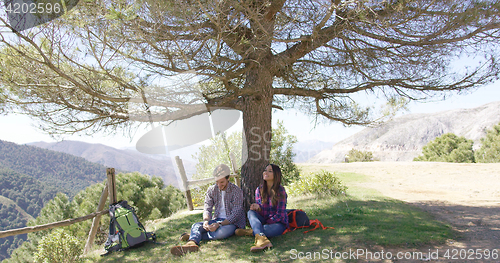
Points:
point(226, 201)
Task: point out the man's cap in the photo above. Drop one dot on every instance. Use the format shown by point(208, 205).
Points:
point(221, 171)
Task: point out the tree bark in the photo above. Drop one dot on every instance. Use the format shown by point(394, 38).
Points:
point(257, 130)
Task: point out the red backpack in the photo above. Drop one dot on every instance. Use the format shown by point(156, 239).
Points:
point(297, 218)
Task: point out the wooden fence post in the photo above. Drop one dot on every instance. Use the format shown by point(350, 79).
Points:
point(185, 184)
point(110, 172)
point(96, 220)
point(237, 178)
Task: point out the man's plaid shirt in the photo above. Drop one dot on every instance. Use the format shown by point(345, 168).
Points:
point(233, 201)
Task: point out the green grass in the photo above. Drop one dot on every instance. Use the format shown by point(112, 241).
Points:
point(362, 219)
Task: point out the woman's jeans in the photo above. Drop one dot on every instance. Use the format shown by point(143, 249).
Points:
point(260, 227)
point(198, 233)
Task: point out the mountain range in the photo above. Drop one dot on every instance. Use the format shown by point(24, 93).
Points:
point(65, 172)
point(30, 177)
point(125, 160)
point(305, 150)
point(402, 138)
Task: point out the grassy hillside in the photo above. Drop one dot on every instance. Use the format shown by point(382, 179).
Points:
point(364, 219)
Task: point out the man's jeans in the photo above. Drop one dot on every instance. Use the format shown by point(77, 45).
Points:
point(198, 233)
point(260, 227)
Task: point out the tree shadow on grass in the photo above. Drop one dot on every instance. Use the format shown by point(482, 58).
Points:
point(358, 224)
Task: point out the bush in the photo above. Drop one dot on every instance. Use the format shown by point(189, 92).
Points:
point(198, 195)
point(282, 153)
point(58, 247)
point(322, 183)
point(490, 147)
point(448, 148)
point(359, 156)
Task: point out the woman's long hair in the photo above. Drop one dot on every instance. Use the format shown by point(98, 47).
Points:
point(274, 193)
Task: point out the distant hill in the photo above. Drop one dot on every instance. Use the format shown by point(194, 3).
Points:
point(124, 160)
point(402, 138)
point(305, 150)
point(66, 172)
point(10, 218)
point(160, 165)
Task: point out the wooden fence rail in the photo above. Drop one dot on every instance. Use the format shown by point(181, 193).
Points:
point(67, 222)
point(109, 190)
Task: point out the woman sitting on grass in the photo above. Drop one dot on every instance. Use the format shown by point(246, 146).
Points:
point(267, 216)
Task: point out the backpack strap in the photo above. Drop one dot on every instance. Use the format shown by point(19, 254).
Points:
point(112, 237)
point(151, 237)
point(294, 217)
point(112, 234)
point(317, 224)
point(114, 229)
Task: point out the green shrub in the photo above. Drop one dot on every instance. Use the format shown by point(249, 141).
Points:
point(198, 195)
point(282, 153)
point(490, 147)
point(359, 156)
point(448, 148)
point(58, 247)
point(321, 183)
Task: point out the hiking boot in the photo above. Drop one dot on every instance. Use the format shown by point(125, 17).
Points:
point(181, 250)
point(243, 232)
point(261, 243)
point(184, 237)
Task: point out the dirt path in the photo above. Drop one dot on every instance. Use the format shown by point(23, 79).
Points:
point(465, 195)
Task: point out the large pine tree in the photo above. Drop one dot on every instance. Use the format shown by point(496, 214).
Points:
point(88, 70)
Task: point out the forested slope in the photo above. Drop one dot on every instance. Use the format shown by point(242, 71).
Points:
point(21, 198)
point(63, 171)
point(30, 177)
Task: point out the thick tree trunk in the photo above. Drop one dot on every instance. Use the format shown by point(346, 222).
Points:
point(257, 103)
point(257, 131)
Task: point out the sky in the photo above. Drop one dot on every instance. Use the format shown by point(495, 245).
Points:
point(21, 129)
